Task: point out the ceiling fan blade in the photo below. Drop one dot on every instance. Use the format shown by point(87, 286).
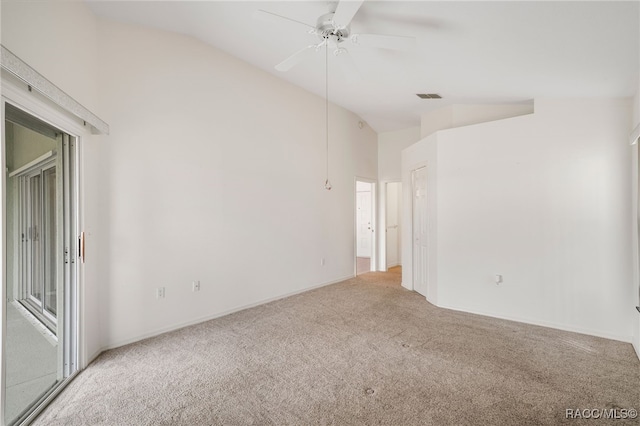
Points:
point(274, 18)
point(384, 41)
point(296, 58)
point(345, 12)
point(348, 66)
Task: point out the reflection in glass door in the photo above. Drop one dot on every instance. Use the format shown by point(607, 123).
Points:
point(36, 211)
point(49, 228)
point(41, 269)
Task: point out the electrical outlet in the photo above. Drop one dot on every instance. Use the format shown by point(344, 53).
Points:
point(498, 279)
point(160, 293)
point(322, 262)
point(195, 286)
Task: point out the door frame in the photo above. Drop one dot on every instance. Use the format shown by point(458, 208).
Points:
point(19, 95)
point(384, 241)
point(374, 237)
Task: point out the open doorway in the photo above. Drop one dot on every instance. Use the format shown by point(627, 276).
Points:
point(365, 219)
point(393, 234)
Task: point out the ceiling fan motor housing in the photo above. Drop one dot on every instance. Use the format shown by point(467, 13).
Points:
point(326, 28)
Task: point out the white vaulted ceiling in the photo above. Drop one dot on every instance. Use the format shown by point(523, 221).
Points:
point(468, 52)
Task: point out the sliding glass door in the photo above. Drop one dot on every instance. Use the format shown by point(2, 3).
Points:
point(41, 269)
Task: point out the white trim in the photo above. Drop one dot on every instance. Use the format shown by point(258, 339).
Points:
point(80, 320)
point(635, 135)
point(40, 108)
point(17, 67)
point(205, 318)
point(373, 264)
point(30, 164)
point(548, 324)
point(3, 264)
point(382, 222)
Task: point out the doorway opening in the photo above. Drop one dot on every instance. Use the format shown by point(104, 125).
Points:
point(40, 282)
point(365, 231)
point(393, 231)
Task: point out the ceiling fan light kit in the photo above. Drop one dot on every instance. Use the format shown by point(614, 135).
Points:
point(326, 27)
point(333, 29)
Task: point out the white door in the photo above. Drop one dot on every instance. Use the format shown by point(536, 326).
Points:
point(363, 222)
point(419, 181)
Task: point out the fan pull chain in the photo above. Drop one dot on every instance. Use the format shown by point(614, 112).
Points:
point(327, 184)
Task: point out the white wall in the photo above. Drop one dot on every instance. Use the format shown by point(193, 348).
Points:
point(58, 39)
point(390, 146)
point(543, 200)
point(463, 115)
point(635, 120)
point(214, 171)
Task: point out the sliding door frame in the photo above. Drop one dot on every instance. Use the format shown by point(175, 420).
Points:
point(20, 96)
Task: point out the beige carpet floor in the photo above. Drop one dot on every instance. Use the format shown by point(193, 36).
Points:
point(362, 352)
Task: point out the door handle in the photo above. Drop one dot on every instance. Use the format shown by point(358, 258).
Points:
point(81, 246)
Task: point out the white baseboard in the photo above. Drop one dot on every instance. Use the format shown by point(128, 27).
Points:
point(216, 315)
point(636, 346)
point(548, 324)
point(91, 358)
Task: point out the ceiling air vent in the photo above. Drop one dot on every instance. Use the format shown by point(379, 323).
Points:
point(428, 96)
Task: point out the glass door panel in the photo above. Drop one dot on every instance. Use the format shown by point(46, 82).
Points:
point(49, 243)
point(35, 263)
point(41, 228)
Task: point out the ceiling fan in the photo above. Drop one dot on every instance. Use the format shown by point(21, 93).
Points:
point(333, 30)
